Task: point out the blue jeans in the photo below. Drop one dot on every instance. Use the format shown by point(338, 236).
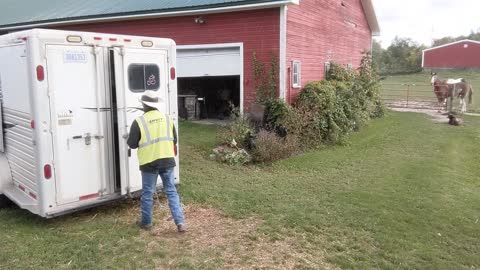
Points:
point(149, 184)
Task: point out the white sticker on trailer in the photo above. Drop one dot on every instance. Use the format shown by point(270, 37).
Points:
point(75, 57)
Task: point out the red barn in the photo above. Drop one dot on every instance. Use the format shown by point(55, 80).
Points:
point(217, 39)
point(460, 54)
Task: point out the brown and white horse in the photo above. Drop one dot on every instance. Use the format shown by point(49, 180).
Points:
point(450, 88)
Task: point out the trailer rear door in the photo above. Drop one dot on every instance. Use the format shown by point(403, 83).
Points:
point(137, 70)
point(78, 115)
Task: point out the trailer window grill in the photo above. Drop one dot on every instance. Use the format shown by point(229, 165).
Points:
point(142, 77)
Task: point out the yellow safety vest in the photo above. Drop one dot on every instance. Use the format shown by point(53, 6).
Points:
point(156, 139)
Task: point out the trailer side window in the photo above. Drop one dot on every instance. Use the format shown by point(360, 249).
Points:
point(142, 77)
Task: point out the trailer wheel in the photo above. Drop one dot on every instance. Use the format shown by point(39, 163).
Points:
point(4, 201)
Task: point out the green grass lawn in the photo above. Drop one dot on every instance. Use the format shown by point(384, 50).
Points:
point(395, 87)
point(404, 194)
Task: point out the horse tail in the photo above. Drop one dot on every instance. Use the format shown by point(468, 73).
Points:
point(470, 95)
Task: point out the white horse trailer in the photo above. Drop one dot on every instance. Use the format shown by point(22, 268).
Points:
point(67, 101)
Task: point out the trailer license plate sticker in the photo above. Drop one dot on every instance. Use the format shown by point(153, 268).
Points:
point(65, 118)
point(75, 57)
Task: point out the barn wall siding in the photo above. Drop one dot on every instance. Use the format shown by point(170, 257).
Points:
point(258, 30)
point(323, 30)
point(453, 56)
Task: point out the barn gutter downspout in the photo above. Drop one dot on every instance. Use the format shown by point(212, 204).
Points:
point(155, 15)
point(283, 52)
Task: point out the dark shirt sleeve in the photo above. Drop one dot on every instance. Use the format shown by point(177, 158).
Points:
point(134, 136)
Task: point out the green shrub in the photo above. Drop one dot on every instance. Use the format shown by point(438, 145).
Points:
point(339, 73)
point(275, 111)
point(270, 147)
point(328, 111)
point(369, 80)
point(239, 130)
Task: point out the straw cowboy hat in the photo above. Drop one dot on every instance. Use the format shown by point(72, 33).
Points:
point(150, 99)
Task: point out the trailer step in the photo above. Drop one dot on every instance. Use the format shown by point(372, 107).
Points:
point(21, 198)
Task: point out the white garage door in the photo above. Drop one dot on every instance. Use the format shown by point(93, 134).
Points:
point(201, 61)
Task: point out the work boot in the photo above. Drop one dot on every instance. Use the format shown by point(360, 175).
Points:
point(146, 227)
point(181, 228)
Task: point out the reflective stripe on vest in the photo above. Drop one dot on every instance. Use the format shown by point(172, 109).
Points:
point(149, 138)
point(156, 140)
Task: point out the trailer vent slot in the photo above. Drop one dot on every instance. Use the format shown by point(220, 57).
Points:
point(40, 73)
point(74, 39)
point(47, 171)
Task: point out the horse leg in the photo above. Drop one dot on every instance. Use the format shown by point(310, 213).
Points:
point(462, 105)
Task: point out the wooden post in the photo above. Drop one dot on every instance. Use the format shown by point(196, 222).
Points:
point(408, 93)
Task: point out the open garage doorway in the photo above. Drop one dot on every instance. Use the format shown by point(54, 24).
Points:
point(210, 80)
point(214, 97)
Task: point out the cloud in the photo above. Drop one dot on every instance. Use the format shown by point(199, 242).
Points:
point(425, 20)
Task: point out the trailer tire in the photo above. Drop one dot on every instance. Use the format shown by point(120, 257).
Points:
point(4, 201)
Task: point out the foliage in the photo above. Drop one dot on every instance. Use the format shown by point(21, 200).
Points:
point(276, 110)
point(339, 73)
point(270, 147)
point(445, 40)
point(265, 81)
point(231, 154)
point(239, 129)
point(402, 56)
point(327, 111)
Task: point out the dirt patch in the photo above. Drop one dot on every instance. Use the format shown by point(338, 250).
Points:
point(436, 115)
point(215, 241)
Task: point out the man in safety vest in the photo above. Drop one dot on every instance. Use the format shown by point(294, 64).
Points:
point(155, 136)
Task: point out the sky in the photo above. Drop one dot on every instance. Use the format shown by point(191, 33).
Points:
point(425, 20)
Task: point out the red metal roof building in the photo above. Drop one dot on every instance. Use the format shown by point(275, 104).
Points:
point(217, 41)
point(460, 54)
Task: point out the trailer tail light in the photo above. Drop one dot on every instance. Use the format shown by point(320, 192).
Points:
point(32, 195)
point(47, 171)
point(172, 73)
point(175, 149)
point(97, 38)
point(40, 73)
point(112, 39)
point(127, 40)
point(147, 43)
point(32, 124)
point(74, 39)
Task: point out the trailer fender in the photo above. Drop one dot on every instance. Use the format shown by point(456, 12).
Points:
point(5, 172)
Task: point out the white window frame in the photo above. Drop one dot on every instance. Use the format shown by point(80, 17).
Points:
point(296, 83)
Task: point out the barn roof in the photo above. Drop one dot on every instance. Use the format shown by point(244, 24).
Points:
point(452, 43)
point(18, 13)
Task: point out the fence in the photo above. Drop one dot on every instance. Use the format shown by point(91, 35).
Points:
point(414, 96)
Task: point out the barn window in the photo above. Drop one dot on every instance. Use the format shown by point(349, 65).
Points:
point(327, 70)
point(142, 77)
point(296, 74)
